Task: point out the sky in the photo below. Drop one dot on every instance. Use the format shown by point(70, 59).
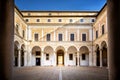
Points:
point(60, 5)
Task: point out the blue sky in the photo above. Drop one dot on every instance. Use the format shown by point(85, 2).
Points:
point(69, 5)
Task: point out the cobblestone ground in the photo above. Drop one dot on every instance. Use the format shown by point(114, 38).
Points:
point(60, 73)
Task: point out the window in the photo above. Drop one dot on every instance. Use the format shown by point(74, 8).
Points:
point(49, 20)
point(59, 20)
point(83, 37)
point(48, 37)
point(37, 53)
point(81, 20)
point(70, 56)
point(47, 56)
point(29, 14)
point(17, 28)
point(96, 34)
point(92, 20)
point(26, 20)
point(83, 57)
point(71, 20)
point(38, 20)
point(60, 37)
point(36, 37)
point(49, 14)
point(23, 33)
point(71, 37)
point(103, 31)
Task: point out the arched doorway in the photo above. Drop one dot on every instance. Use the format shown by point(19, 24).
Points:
point(72, 54)
point(36, 56)
point(104, 54)
point(84, 56)
point(49, 56)
point(22, 54)
point(97, 56)
point(60, 57)
point(16, 44)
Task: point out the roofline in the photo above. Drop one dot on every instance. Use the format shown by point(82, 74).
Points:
point(58, 11)
point(101, 9)
point(18, 10)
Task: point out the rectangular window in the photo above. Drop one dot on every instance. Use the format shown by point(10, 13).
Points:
point(60, 20)
point(60, 37)
point(23, 33)
point(96, 34)
point(71, 37)
point(92, 20)
point(70, 56)
point(81, 20)
point(83, 37)
point(26, 20)
point(37, 53)
point(71, 20)
point(47, 56)
point(49, 20)
point(48, 37)
point(17, 28)
point(36, 37)
point(83, 57)
point(103, 29)
point(38, 20)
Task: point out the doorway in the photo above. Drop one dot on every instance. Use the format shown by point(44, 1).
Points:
point(38, 60)
point(60, 57)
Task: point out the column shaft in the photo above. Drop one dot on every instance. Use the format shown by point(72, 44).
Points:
point(6, 39)
point(113, 17)
point(19, 58)
point(100, 57)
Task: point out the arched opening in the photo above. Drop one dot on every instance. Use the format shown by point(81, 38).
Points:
point(72, 55)
point(16, 44)
point(60, 57)
point(104, 54)
point(36, 56)
point(97, 56)
point(49, 56)
point(22, 54)
point(84, 56)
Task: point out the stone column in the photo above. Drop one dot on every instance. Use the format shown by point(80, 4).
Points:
point(19, 57)
point(100, 57)
point(66, 35)
point(55, 59)
point(78, 33)
point(65, 58)
point(25, 57)
point(113, 15)
point(6, 39)
point(78, 58)
point(42, 58)
point(54, 34)
point(42, 35)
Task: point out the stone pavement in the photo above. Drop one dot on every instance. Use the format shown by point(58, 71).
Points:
point(60, 73)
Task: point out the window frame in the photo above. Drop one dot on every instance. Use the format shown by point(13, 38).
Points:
point(85, 36)
point(72, 37)
point(36, 38)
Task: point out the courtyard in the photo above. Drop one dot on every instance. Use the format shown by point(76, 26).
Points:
point(60, 73)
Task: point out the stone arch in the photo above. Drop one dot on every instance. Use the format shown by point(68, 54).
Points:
point(36, 56)
point(104, 54)
point(72, 54)
point(84, 56)
point(48, 56)
point(16, 52)
point(60, 55)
